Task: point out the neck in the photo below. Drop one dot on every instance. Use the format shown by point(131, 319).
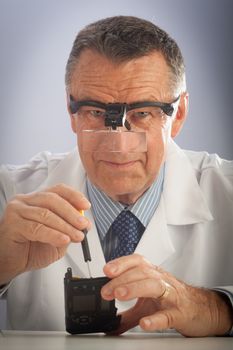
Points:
point(128, 198)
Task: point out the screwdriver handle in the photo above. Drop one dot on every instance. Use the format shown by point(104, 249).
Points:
point(85, 247)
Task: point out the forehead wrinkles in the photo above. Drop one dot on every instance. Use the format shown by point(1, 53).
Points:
point(109, 91)
point(143, 75)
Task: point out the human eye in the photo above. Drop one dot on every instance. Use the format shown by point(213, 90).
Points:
point(91, 112)
point(97, 113)
point(146, 116)
point(147, 113)
point(157, 113)
point(140, 113)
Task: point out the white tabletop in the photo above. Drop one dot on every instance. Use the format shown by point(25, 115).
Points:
point(10, 340)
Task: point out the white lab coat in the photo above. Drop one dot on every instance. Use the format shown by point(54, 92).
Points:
point(190, 235)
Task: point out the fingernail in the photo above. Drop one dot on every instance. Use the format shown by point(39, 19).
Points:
point(86, 202)
point(65, 238)
point(78, 236)
point(122, 291)
point(147, 322)
point(82, 219)
point(107, 291)
point(112, 267)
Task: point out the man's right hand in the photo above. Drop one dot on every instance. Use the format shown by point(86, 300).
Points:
point(36, 229)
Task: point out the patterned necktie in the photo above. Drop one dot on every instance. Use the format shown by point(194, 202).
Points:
point(128, 230)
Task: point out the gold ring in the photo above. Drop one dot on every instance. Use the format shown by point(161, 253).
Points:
point(165, 292)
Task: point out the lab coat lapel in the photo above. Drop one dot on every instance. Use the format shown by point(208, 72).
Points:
point(182, 203)
point(183, 198)
point(156, 244)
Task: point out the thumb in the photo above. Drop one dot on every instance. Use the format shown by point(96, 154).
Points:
point(131, 317)
point(161, 320)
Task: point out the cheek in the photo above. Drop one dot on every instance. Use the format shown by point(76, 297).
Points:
point(157, 141)
point(89, 165)
point(79, 123)
point(86, 158)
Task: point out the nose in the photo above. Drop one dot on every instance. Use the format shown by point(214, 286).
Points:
point(113, 141)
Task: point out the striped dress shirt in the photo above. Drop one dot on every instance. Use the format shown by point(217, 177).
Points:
point(105, 210)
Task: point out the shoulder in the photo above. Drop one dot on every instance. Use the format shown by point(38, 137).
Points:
point(211, 169)
point(27, 177)
point(204, 162)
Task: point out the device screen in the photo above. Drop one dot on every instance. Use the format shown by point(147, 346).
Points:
point(83, 303)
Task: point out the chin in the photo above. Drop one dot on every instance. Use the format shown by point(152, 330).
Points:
point(116, 188)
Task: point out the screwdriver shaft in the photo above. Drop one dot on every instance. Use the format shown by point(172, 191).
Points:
point(89, 270)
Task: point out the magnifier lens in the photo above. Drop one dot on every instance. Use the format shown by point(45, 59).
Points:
point(113, 141)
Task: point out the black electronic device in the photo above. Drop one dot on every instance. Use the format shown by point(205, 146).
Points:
point(85, 310)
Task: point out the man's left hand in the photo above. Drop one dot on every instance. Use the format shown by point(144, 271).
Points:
point(163, 301)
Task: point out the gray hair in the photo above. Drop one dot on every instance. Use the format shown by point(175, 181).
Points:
point(122, 38)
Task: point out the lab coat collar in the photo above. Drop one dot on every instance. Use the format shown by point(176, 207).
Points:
point(183, 198)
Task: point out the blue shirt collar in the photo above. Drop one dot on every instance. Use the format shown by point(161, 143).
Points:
point(105, 210)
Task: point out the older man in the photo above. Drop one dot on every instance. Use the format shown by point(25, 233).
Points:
point(176, 272)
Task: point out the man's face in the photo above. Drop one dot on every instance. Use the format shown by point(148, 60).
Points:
point(124, 176)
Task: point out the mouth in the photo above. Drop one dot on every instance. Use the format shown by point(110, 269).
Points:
point(119, 165)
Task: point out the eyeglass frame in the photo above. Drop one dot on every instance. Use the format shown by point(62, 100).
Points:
point(115, 112)
point(167, 108)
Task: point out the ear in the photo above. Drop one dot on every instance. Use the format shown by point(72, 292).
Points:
point(181, 115)
point(72, 119)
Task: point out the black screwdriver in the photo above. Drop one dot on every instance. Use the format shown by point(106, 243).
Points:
point(85, 248)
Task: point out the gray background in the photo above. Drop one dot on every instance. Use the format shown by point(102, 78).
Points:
point(35, 40)
point(36, 37)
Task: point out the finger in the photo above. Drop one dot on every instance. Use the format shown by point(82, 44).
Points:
point(127, 322)
point(132, 275)
point(57, 205)
point(147, 288)
point(37, 232)
point(131, 317)
point(118, 266)
point(49, 219)
point(75, 198)
point(161, 320)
